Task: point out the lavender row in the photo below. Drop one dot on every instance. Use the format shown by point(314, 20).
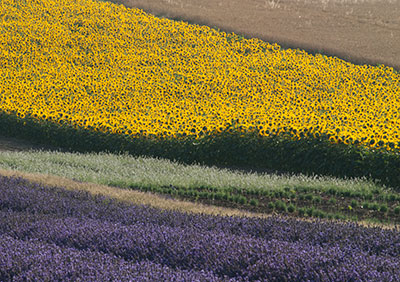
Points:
point(242, 249)
point(226, 255)
point(19, 195)
point(33, 260)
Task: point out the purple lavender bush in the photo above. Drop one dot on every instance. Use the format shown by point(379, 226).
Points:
point(33, 260)
point(49, 233)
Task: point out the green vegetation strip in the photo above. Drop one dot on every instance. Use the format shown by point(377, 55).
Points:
point(298, 195)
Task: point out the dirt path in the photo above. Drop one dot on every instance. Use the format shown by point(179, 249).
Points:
point(360, 31)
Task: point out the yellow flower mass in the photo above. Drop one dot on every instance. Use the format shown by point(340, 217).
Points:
point(99, 65)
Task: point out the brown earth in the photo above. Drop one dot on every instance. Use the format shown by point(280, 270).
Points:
point(360, 31)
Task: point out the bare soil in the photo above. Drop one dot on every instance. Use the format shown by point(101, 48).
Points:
point(360, 31)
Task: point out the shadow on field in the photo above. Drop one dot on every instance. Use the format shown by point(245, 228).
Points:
point(230, 148)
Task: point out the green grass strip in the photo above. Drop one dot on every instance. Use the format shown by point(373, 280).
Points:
point(126, 171)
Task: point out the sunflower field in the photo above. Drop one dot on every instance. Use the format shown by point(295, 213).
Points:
point(104, 67)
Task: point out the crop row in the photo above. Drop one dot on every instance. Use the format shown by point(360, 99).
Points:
point(45, 223)
point(297, 200)
point(34, 260)
point(100, 66)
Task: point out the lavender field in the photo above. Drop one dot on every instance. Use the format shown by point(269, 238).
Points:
point(49, 234)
